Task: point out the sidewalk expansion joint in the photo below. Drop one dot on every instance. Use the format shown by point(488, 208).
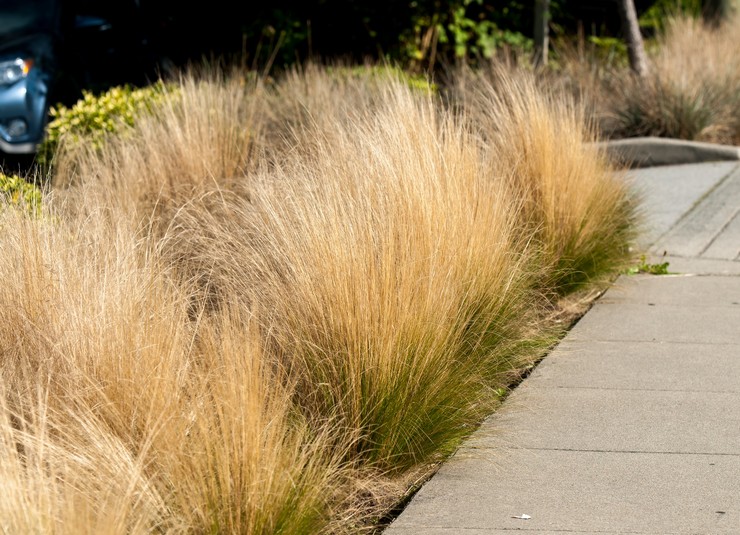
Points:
point(722, 228)
point(680, 256)
point(566, 531)
point(627, 389)
point(459, 529)
point(628, 452)
point(606, 302)
point(562, 346)
point(649, 341)
point(695, 206)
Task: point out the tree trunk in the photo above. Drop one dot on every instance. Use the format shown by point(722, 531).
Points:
point(633, 37)
point(541, 31)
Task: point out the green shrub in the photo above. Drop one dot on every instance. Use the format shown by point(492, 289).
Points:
point(94, 117)
point(18, 192)
point(461, 30)
point(655, 18)
point(384, 74)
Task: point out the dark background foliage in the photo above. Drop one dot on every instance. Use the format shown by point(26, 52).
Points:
point(285, 31)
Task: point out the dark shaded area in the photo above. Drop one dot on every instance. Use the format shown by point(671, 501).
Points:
point(289, 31)
point(99, 44)
point(19, 164)
point(353, 30)
point(93, 45)
point(104, 44)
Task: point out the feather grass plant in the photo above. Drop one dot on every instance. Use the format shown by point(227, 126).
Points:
point(122, 414)
point(203, 134)
point(268, 308)
point(582, 212)
point(395, 278)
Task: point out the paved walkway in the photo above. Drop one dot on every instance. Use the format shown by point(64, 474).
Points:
point(632, 424)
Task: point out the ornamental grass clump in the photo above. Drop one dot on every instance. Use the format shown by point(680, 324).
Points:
point(120, 413)
point(582, 213)
point(413, 283)
point(691, 90)
point(312, 98)
point(206, 134)
point(389, 262)
point(241, 319)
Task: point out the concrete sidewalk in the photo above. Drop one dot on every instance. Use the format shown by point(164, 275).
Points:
point(632, 424)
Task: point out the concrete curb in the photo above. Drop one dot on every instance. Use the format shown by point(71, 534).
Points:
point(653, 151)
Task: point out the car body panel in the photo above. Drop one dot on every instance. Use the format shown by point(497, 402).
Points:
point(74, 45)
point(26, 99)
point(29, 30)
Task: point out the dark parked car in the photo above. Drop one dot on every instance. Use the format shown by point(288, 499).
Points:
point(27, 43)
point(50, 50)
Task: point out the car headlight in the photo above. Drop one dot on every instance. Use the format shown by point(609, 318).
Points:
point(14, 70)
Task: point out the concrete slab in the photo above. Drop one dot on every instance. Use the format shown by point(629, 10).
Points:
point(656, 290)
point(727, 244)
point(458, 531)
point(669, 192)
point(589, 419)
point(663, 366)
point(701, 226)
point(587, 492)
point(645, 323)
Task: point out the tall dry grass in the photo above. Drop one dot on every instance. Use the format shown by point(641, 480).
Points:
point(207, 131)
point(581, 212)
point(390, 267)
point(123, 414)
point(265, 308)
point(691, 91)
